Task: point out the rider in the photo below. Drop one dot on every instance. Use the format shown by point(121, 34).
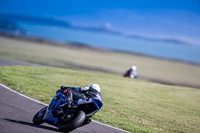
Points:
point(131, 73)
point(87, 97)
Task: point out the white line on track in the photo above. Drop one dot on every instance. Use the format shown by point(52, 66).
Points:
point(47, 105)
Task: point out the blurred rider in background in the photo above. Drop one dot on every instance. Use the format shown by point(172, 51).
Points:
point(131, 73)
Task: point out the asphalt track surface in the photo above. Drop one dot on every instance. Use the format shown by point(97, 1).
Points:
point(17, 111)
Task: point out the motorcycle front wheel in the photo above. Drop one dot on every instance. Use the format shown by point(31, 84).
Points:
point(73, 124)
point(38, 118)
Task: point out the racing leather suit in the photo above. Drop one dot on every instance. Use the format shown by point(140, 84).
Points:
point(84, 97)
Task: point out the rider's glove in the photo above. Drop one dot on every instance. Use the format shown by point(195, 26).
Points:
point(62, 87)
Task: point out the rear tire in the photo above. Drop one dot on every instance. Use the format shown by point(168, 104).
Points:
point(38, 118)
point(75, 123)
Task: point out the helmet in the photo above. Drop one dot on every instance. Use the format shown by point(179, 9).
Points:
point(133, 67)
point(96, 87)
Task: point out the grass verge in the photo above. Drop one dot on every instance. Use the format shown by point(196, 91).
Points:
point(65, 56)
point(132, 105)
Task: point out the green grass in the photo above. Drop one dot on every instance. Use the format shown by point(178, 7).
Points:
point(133, 105)
point(151, 69)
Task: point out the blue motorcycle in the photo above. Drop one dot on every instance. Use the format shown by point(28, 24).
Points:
point(68, 119)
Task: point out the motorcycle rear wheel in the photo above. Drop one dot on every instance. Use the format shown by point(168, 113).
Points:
point(75, 123)
point(38, 118)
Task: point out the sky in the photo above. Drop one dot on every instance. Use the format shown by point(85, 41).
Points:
point(175, 19)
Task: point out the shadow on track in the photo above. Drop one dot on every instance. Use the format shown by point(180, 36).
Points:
point(33, 125)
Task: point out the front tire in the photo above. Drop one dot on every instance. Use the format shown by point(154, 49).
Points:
point(75, 123)
point(38, 118)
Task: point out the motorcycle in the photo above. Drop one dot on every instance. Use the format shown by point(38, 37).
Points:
point(65, 119)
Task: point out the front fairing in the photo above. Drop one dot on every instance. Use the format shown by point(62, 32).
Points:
point(57, 100)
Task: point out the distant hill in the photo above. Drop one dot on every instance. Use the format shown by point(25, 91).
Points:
point(48, 21)
point(50, 42)
point(10, 19)
point(10, 26)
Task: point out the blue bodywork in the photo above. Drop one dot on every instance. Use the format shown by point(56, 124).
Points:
point(97, 103)
point(57, 100)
